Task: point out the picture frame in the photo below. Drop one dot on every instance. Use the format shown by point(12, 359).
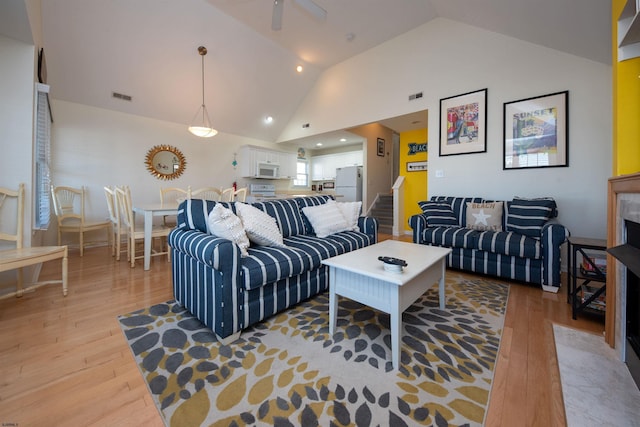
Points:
point(463, 123)
point(536, 132)
point(380, 147)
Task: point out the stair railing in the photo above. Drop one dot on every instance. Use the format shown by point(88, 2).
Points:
point(398, 206)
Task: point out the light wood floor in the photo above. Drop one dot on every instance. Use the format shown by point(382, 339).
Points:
point(64, 360)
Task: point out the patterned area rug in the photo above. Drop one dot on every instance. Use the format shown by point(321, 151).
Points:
point(288, 370)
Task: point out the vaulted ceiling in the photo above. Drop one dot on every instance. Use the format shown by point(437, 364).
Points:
point(147, 49)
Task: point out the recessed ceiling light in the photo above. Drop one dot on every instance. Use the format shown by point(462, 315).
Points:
point(299, 68)
point(268, 119)
point(343, 139)
point(319, 144)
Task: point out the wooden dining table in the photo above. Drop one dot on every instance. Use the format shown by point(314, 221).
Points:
point(150, 210)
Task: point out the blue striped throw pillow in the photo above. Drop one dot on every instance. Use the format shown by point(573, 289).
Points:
point(527, 216)
point(438, 214)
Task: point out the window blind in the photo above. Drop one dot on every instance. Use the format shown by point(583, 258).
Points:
point(42, 158)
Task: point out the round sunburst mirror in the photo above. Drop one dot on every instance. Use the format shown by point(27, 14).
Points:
point(165, 162)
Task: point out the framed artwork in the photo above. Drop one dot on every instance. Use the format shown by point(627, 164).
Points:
point(380, 147)
point(536, 132)
point(463, 123)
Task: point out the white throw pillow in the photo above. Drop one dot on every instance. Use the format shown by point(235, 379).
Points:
point(326, 219)
point(222, 222)
point(350, 211)
point(485, 216)
point(260, 227)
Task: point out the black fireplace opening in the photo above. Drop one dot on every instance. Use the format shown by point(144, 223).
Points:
point(629, 255)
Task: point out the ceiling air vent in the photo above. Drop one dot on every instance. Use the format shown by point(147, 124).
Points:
point(121, 96)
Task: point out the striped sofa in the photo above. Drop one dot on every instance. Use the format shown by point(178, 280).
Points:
point(228, 292)
point(527, 250)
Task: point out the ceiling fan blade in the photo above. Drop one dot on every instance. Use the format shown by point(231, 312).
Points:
point(313, 8)
point(276, 18)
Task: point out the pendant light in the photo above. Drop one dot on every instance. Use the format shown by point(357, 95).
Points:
point(201, 124)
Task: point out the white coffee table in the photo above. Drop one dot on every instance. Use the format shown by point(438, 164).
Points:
point(360, 276)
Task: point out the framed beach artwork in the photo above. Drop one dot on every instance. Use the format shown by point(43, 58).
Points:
point(536, 132)
point(463, 123)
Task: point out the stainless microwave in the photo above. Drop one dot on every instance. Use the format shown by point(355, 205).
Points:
point(267, 170)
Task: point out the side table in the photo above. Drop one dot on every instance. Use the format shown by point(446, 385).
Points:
point(578, 279)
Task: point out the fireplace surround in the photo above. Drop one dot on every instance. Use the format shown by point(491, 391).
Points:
point(623, 215)
point(628, 253)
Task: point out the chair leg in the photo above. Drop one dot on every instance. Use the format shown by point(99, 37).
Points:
point(118, 248)
point(81, 243)
point(59, 237)
point(133, 252)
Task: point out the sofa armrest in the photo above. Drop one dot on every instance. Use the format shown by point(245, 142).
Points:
point(553, 236)
point(204, 247)
point(418, 224)
point(369, 226)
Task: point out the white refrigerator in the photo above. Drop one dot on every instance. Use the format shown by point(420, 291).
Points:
point(349, 184)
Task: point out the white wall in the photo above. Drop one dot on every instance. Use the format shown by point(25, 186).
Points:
point(16, 123)
point(444, 58)
point(93, 147)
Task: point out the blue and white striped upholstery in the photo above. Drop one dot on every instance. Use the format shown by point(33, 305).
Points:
point(287, 214)
point(439, 214)
point(527, 216)
point(228, 292)
point(193, 213)
point(533, 256)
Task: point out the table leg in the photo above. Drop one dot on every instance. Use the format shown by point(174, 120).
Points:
point(333, 301)
point(396, 329)
point(441, 290)
point(148, 226)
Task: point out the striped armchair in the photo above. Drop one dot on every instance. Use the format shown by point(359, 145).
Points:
point(228, 292)
point(523, 246)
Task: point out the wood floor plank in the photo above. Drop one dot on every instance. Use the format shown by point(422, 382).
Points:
point(64, 360)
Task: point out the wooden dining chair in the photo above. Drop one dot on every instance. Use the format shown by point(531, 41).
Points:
point(20, 257)
point(68, 204)
point(127, 221)
point(114, 217)
point(206, 193)
point(240, 195)
point(170, 196)
point(227, 195)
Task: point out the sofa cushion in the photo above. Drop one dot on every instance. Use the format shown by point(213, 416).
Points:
point(484, 216)
point(260, 227)
point(527, 216)
point(326, 219)
point(287, 214)
point(224, 223)
point(458, 205)
point(452, 237)
point(268, 264)
point(439, 214)
point(510, 243)
point(303, 202)
point(351, 212)
point(320, 248)
point(194, 213)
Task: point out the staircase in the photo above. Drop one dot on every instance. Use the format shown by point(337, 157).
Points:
point(382, 210)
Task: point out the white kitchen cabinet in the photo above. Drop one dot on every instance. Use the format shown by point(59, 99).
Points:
point(251, 155)
point(324, 167)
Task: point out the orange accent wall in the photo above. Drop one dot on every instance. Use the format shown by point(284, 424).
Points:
point(626, 105)
point(415, 183)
